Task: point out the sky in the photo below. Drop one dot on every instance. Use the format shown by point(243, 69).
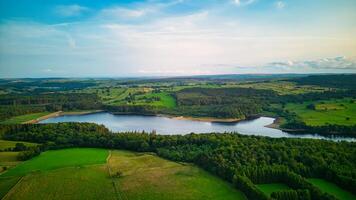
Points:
point(107, 38)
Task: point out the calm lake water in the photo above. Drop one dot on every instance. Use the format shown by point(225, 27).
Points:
point(167, 126)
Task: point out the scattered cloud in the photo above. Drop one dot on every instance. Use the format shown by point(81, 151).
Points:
point(243, 2)
point(120, 12)
point(70, 10)
point(336, 63)
point(280, 4)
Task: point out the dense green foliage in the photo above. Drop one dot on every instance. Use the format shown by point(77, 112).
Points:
point(347, 81)
point(224, 102)
point(244, 160)
point(13, 105)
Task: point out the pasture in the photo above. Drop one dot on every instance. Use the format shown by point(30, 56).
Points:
point(89, 182)
point(269, 188)
point(58, 159)
point(331, 188)
point(24, 118)
point(88, 173)
point(6, 144)
point(343, 112)
point(146, 176)
point(283, 87)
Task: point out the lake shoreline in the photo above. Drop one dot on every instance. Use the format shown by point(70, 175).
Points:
point(61, 113)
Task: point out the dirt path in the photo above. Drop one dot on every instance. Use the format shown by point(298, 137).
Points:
point(119, 194)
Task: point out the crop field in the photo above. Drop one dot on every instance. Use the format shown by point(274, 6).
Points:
point(82, 173)
point(272, 187)
point(145, 176)
point(24, 118)
point(343, 112)
point(59, 159)
point(331, 188)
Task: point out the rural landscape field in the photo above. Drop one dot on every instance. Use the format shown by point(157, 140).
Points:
point(177, 100)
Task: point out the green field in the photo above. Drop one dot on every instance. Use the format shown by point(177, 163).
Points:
point(5, 144)
point(331, 188)
point(283, 87)
point(272, 187)
point(146, 176)
point(59, 159)
point(340, 112)
point(165, 100)
point(89, 182)
point(82, 173)
point(24, 118)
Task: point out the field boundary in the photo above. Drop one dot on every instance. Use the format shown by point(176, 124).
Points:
point(119, 194)
point(12, 188)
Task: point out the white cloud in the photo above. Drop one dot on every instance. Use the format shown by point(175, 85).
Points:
point(280, 4)
point(119, 12)
point(243, 2)
point(70, 10)
point(335, 63)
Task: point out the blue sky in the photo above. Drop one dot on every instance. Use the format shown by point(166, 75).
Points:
point(42, 38)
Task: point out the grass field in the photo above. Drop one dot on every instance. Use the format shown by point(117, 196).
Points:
point(283, 87)
point(145, 176)
point(82, 173)
point(59, 159)
point(89, 182)
point(340, 112)
point(6, 184)
point(5, 144)
point(24, 118)
point(272, 187)
point(165, 100)
point(331, 188)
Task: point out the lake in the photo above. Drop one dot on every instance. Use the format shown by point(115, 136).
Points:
point(168, 126)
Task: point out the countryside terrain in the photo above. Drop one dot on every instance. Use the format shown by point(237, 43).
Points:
point(88, 161)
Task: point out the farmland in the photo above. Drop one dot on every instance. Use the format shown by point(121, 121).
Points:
point(145, 176)
point(24, 118)
point(343, 112)
point(332, 189)
point(82, 173)
point(269, 188)
point(59, 159)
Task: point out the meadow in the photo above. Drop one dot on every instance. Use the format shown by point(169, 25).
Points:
point(146, 176)
point(269, 188)
point(337, 111)
point(58, 159)
point(5, 144)
point(24, 118)
point(88, 173)
point(331, 188)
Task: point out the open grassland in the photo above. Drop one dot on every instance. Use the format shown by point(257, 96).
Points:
point(89, 182)
point(59, 159)
point(82, 173)
point(163, 100)
point(283, 87)
point(339, 111)
point(5, 144)
point(6, 184)
point(146, 176)
point(272, 187)
point(8, 160)
point(24, 118)
point(331, 188)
